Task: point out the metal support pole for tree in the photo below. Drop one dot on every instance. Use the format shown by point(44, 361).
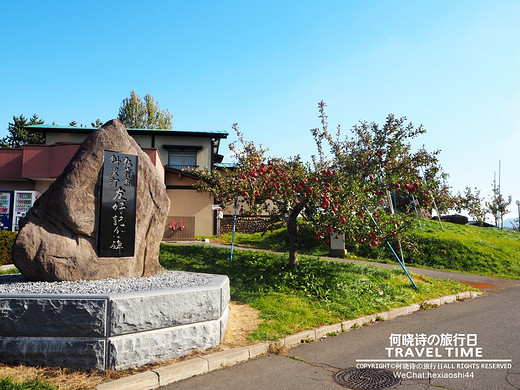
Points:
point(393, 209)
point(234, 225)
point(433, 199)
point(437, 210)
point(416, 213)
point(390, 202)
point(390, 246)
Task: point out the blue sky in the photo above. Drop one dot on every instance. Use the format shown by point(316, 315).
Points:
point(451, 65)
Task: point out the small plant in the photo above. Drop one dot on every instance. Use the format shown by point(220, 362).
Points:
point(306, 341)
point(379, 319)
point(277, 349)
point(331, 334)
point(428, 306)
point(355, 326)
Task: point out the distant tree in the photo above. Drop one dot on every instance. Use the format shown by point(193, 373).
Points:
point(19, 135)
point(73, 123)
point(97, 123)
point(497, 206)
point(517, 226)
point(473, 204)
point(143, 114)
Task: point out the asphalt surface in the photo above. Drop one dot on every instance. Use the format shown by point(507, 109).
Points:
point(491, 361)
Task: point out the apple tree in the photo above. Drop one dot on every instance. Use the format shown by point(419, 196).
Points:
point(372, 165)
point(281, 187)
point(340, 191)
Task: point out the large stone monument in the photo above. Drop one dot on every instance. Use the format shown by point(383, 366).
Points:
point(96, 233)
point(82, 227)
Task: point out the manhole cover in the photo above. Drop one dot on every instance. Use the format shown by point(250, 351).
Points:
point(366, 379)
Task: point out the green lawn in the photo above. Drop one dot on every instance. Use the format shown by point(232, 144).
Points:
point(9, 384)
point(315, 293)
point(8, 272)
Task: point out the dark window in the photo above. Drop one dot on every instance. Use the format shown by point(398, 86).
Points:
point(182, 159)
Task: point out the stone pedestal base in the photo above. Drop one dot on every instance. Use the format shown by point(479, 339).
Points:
point(337, 245)
point(112, 331)
point(337, 252)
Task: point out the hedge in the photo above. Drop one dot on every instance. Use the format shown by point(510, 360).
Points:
point(6, 243)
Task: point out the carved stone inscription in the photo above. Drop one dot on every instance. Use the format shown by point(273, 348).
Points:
point(118, 205)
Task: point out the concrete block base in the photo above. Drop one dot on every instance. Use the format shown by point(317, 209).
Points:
point(112, 331)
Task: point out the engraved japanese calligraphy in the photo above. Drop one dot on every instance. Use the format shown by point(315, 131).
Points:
point(118, 205)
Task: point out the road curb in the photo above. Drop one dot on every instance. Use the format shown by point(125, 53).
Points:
point(153, 379)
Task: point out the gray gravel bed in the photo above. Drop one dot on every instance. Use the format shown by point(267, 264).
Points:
point(16, 284)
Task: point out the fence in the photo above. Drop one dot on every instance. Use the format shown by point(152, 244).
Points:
point(245, 224)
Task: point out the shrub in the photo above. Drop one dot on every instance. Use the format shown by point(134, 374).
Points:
point(6, 243)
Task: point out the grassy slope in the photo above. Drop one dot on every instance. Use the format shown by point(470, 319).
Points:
point(472, 249)
point(485, 251)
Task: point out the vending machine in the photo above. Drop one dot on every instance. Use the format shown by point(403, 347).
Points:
point(6, 210)
point(23, 201)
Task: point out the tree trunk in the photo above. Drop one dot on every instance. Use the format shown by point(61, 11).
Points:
point(292, 231)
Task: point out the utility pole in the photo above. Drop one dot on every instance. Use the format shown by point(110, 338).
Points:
point(500, 192)
point(499, 174)
point(494, 195)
